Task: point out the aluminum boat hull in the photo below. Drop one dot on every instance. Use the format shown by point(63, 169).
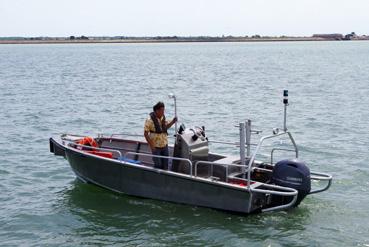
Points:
point(147, 182)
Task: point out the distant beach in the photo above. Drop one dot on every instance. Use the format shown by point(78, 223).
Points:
point(174, 39)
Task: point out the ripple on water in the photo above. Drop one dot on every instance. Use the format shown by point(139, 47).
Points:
point(111, 89)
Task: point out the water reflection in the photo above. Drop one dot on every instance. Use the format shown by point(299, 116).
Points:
point(128, 218)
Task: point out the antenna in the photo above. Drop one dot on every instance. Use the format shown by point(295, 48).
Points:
point(285, 102)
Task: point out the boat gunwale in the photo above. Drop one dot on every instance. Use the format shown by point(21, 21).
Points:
point(164, 172)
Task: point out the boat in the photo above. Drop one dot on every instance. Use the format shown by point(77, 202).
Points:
point(195, 176)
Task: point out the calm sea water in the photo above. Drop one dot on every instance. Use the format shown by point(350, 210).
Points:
point(46, 90)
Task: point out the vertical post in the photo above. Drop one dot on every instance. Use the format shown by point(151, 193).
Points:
point(248, 137)
point(285, 102)
point(242, 145)
point(175, 115)
point(172, 96)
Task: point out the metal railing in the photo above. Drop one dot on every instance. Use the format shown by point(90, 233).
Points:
point(163, 157)
point(319, 176)
point(273, 189)
point(281, 149)
point(95, 148)
point(118, 134)
point(251, 161)
point(224, 142)
point(76, 135)
point(237, 144)
point(212, 164)
point(127, 149)
point(287, 192)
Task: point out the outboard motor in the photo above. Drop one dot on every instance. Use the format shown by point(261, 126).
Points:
point(293, 174)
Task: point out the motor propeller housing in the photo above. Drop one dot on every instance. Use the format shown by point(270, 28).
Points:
point(293, 174)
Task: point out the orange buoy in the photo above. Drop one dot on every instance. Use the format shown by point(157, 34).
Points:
point(88, 141)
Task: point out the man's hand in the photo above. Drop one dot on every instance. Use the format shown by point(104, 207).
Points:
point(149, 141)
point(175, 119)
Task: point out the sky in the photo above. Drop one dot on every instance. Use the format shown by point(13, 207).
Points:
point(59, 18)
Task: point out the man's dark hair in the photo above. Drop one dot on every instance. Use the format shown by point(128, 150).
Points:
point(158, 105)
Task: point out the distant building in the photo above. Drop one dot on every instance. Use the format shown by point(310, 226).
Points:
point(332, 36)
point(350, 36)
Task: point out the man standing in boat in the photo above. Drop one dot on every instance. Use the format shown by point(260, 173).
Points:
point(156, 134)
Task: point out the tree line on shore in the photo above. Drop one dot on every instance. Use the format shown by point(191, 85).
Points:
point(333, 36)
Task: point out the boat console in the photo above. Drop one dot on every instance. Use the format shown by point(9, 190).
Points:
point(192, 144)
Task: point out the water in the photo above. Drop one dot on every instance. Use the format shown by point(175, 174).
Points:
point(46, 90)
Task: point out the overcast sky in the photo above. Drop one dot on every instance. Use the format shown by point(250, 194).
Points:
point(182, 18)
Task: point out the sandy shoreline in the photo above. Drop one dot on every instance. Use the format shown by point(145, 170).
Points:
point(130, 41)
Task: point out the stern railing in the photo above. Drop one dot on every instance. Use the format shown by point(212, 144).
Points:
point(319, 176)
point(262, 139)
